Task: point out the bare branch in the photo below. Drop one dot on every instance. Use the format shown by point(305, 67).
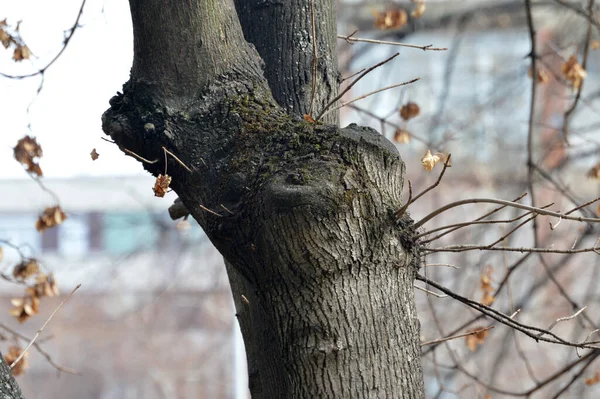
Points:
point(43, 326)
point(429, 47)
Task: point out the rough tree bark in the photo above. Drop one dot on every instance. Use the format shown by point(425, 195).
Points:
point(9, 389)
point(303, 214)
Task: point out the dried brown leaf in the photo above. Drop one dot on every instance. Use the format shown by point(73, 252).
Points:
point(25, 307)
point(21, 53)
point(27, 152)
point(595, 45)
point(5, 38)
point(391, 19)
point(52, 216)
point(45, 285)
point(13, 354)
point(161, 185)
point(594, 172)
point(409, 110)
point(476, 339)
point(430, 160)
point(401, 136)
point(309, 118)
point(573, 72)
point(419, 10)
point(94, 154)
point(541, 76)
point(594, 379)
point(26, 269)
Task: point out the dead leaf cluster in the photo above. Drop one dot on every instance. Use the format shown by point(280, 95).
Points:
point(13, 354)
point(409, 110)
point(594, 379)
point(486, 286)
point(402, 136)
point(161, 185)
point(429, 160)
point(27, 152)
point(476, 339)
point(594, 172)
point(42, 285)
point(541, 75)
point(573, 72)
point(52, 216)
point(391, 19)
point(419, 9)
point(13, 40)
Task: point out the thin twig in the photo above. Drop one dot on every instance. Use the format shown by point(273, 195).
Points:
point(384, 120)
point(430, 292)
point(439, 179)
point(315, 58)
point(369, 94)
point(436, 341)
point(466, 248)
point(355, 81)
point(501, 202)
point(41, 351)
point(177, 159)
point(429, 47)
point(43, 326)
point(65, 44)
point(476, 221)
point(351, 76)
point(208, 210)
point(441, 264)
point(586, 49)
point(561, 319)
point(139, 157)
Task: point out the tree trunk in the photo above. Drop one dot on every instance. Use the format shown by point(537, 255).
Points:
point(9, 389)
point(322, 276)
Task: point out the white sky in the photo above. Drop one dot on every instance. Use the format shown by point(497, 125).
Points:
point(65, 116)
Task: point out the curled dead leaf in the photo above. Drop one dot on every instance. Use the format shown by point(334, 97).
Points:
point(391, 19)
point(594, 172)
point(26, 269)
point(573, 72)
point(183, 226)
point(51, 217)
point(419, 10)
point(94, 154)
point(429, 160)
point(309, 118)
point(541, 75)
point(595, 45)
point(5, 38)
point(13, 354)
point(27, 152)
point(161, 185)
point(21, 53)
point(25, 307)
point(477, 338)
point(409, 110)
point(45, 285)
point(401, 136)
point(594, 379)
point(486, 286)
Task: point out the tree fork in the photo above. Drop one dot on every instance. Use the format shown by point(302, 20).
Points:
point(322, 277)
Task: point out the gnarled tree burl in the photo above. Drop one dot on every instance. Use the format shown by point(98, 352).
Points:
point(322, 276)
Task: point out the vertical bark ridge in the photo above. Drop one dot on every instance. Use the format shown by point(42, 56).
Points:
point(282, 33)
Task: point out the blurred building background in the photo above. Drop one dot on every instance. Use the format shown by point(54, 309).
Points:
point(154, 317)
